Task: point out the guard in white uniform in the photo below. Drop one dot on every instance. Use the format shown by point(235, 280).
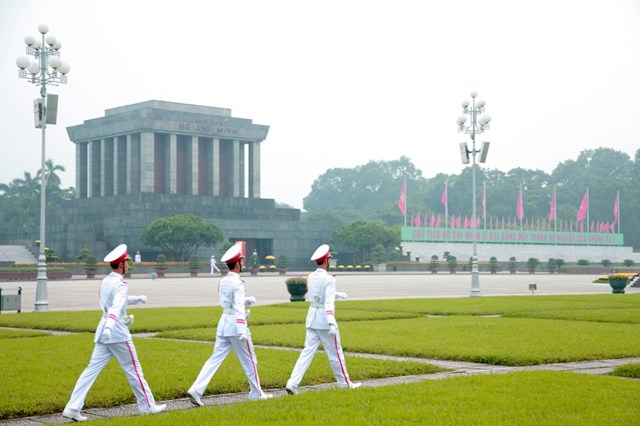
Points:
point(321, 325)
point(232, 332)
point(113, 339)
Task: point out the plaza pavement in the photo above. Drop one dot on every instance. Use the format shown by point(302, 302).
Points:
point(268, 288)
point(182, 290)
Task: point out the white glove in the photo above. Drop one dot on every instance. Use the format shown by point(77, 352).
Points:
point(248, 301)
point(333, 329)
point(341, 295)
point(243, 337)
point(106, 334)
point(128, 320)
point(247, 312)
point(142, 299)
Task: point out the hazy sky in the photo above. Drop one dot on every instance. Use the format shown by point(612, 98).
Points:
point(340, 82)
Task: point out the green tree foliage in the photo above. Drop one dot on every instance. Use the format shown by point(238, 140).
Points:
point(181, 235)
point(371, 192)
point(363, 236)
point(347, 195)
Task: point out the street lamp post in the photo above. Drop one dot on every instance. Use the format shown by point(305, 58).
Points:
point(478, 124)
point(46, 69)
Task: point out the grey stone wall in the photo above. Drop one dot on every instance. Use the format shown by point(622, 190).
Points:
point(102, 223)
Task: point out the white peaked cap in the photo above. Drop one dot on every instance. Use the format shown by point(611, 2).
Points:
point(321, 253)
point(232, 255)
point(117, 255)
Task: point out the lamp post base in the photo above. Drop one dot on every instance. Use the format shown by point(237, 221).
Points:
point(41, 304)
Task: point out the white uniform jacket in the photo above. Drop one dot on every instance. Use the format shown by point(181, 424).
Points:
point(231, 291)
point(322, 294)
point(114, 298)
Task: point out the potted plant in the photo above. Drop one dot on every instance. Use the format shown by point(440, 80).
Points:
point(452, 262)
point(618, 283)
point(513, 265)
point(90, 265)
point(532, 264)
point(297, 288)
point(493, 264)
point(161, 265)
point(194, 265)
point(254, 263)
point(552, 265)
point(559, 264)
point(434, 264)
point(282, 263)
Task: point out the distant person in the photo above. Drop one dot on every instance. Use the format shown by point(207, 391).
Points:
point(138, 257)
point(321, 325)
point(232, 332)
point(214, 267)
point(113, 339)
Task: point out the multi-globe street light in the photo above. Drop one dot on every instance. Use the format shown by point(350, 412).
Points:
point(478, 124)
point(47, 68)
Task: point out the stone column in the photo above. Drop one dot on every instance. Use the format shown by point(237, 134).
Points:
point(236, 164)
point(215, 168)
point(81, 170)
point(254, 170)
point(172, 170)
point(102, 166)
point(116, 162)
point(130, 175)
point(146, 161)
point(194, 165)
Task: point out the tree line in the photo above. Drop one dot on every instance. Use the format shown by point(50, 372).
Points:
point(362, 202)
point(370, 192)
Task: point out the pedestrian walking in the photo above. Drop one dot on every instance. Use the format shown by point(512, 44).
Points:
point(113, 339)
point(232, 332)
point(321, 325)
point(214, 267)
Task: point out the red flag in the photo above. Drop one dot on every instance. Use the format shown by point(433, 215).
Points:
point(520, 206)
point(438, 222)
point(616, 208)
point(582, 211)
point(433, 221)
point(402, 202)
point(416, 220)
point(591, 228)
point(444, 200)
point(552, 210)
point(466, 222)
point(458, 222)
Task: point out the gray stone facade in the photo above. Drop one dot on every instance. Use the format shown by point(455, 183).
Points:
point(154, 159)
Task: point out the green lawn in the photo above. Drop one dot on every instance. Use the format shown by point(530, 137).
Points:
point(529, 330)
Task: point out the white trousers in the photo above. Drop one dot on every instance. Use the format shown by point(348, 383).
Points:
point(332, 347)
point(125, 353)
point(246, 355)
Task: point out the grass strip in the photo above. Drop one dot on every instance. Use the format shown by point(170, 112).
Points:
point(15, 334)
point(503, 341)
point(631, 371)
point(43, 371)
point(523, 398)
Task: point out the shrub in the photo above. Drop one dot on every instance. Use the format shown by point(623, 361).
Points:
point(512, 263)
point(296, 280)
point(161, 261)
point(282, 262)
point(493, 263)
point(628, 262)
point(532, 263)
point(90, 262)
point(193, 263)
point(583, 262)
point(606, 263)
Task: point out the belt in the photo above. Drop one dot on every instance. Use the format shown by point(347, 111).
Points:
point(227, 311)
point(317, 305)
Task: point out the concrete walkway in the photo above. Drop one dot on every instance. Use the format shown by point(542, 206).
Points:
point(176, 290)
